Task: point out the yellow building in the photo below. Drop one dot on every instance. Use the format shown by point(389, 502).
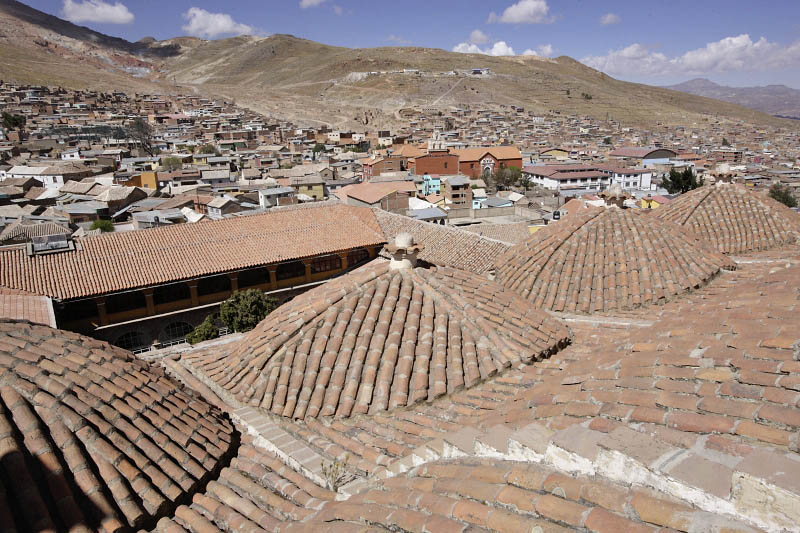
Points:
point(653, 202)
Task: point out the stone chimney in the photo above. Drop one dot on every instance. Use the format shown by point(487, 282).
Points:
point(404, 252)
point(614, 196)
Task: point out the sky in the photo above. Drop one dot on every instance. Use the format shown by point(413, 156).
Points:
point(732, 42)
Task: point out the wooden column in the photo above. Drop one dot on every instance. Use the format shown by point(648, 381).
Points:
point(307, 263)
point(343, 257)
point(148, 300)
point(101, 310)
point(193, 293)
point(273, 277)
point(234, 282)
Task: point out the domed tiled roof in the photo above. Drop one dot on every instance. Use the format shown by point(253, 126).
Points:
point(734, 219)
point(379, 338)
point(602, 259)
point(93, 439)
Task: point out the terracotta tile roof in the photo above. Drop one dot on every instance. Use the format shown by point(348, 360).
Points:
point(733, 219)
point(510, 497)
point(119, 261)
point(19, 305)
point(476, 154)
point(508, 233)
point(30, 229)
point(600, 259)
point(378, 339)
point(443, 245)
point(93, 438)
point(373, 192)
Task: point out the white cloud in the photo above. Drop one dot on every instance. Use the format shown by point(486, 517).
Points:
point(738, 53)
point(96, 11)
point(202, 23)
point(304, 4)
point(500, 48)
point(478, 37)
point(524, 12)
point(338, 9)
point(609, 18)
point(544, 50)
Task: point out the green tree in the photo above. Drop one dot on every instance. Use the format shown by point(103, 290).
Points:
point(782, 194)
point(504, 178)
point(725, 142)
point(681, 182)
point(142, 132)
point(245, 309)
point(171, 163)
point(319, 147)
point(207, 149)
point(525, 182)
point(11, 122)
point(106, 226)
point(207, 330)
point(607, 140)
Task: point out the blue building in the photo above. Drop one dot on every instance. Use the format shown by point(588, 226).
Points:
point(431, 185)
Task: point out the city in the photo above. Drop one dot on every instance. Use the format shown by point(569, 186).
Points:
point(412, 297)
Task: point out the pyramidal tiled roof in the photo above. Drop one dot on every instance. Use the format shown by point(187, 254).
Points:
point(93, 439)
point(380, 338)
point(734, 219)
point(601, 259)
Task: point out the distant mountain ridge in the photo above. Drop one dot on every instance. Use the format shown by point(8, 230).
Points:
point(298, 79)
point(778, 100)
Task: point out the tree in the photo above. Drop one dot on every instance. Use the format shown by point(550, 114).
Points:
point(681, 182)
point(207, 330)
point(607, 140)
point(207, 149)
point(245, 309)
point(782, 194)
point(526, 182)
point(725, 142)
point(140, 131)
point(171, 163)
point(11, 122)
point(106, 226)
point(506, 177)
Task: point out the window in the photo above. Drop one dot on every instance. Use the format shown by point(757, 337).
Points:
point(171, 293)
point(326, 264)
point(293, 269)
point(176, 331)
point(255, 276)
point(445, 164)
point(214, 285)
point(133, 340)
point(356, 256)
point(125, 301)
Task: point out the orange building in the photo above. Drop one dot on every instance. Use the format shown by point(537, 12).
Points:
point(477, 162)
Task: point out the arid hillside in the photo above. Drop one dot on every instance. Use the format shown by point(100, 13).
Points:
point(298, 79)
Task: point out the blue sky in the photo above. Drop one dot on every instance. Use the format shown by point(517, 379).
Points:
point(735, 42)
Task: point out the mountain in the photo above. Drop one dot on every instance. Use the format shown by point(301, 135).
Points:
point(298, 79)
point(778, 100)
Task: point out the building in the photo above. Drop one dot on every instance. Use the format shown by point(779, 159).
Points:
point(434, 162)
point(431, 184)
point(140, 288)
point(457, 192)
point(390, 196)
point(376, 165)
point(477, 162)
point(643, 157)
point(727, 155)
point(312, 186)
point(573, 176)
point(275, 196)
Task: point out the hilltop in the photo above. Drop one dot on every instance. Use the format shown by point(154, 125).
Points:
point(778, 100)
point(302, 80)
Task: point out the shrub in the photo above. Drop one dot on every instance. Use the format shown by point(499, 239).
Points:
point(105, 226)
point(207, 330)
point(245, 309)
point(782, 194)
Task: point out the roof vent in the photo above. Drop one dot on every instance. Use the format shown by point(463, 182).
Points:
point(403, 251)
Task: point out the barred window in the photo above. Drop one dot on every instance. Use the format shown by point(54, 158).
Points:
point(326, 264)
